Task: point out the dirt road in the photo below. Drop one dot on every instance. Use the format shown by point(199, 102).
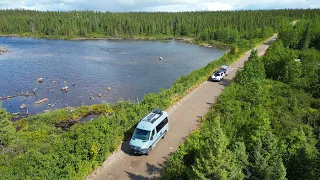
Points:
point(182, 120)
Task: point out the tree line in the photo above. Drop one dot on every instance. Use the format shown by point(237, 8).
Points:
point(223, 26)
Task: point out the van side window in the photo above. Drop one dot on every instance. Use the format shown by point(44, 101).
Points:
point(152, 134)
point(162, 124)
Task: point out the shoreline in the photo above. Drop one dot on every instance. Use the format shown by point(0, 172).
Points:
point(187, 40)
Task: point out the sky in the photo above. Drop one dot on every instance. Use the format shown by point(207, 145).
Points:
point(155, 5)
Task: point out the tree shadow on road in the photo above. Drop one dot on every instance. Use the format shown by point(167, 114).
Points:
point(152, 170)
point(136, 177)
point(125, 148)
point(269, 42)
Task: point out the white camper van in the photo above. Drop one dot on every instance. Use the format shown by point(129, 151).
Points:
point(149, 131)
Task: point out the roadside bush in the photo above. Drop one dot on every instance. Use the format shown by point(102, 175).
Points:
point(253, 70)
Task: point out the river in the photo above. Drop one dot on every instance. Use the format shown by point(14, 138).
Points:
point(131, 68)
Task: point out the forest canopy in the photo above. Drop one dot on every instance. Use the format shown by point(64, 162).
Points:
point(223, 26)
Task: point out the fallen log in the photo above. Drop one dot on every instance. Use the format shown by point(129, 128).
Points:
point(10, 97)
point(42, 101)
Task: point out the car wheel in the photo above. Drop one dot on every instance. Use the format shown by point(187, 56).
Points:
point(164, 134)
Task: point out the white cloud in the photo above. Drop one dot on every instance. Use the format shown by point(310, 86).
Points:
point(159, 5)
point(215, 6)
point(190, 7)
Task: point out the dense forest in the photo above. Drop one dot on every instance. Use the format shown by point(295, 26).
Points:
point(265, 126)
point(223, 26)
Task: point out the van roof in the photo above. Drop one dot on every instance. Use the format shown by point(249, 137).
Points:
point(147, 122)
point(153, 116)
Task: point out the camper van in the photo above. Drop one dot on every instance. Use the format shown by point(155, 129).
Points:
point(149, 131)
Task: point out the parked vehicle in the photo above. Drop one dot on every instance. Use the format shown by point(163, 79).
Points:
point(225, 69)
point(219, 75)
point(149, 131)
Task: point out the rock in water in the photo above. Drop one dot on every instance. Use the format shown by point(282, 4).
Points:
point(40, 80)
point(65, 89)
point(23, 106)
point(34, 90)
point(160, 58)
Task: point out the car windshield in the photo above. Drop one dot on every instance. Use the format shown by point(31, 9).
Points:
point(141, 134)
point(217, 74)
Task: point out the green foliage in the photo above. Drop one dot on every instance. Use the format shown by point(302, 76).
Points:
point(302, 153)
point(299, 68)
point(310, 78)
point(281, 64)
point(234, 49)
point(215, 160)
point(266, 129)
point(305, 34)
point(253, 70)
point(7, 129)
point(223, 26)
point(205, 156)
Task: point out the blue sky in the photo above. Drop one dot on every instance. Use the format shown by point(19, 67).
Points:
point(158, 5)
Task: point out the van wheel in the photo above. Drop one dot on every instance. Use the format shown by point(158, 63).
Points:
point(164, 134)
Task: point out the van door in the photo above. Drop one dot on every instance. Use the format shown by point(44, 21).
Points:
point(153, 138)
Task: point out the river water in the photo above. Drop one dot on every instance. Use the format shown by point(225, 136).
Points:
point(130, 68)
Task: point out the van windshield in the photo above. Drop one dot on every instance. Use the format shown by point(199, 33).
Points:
point(141, 134)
